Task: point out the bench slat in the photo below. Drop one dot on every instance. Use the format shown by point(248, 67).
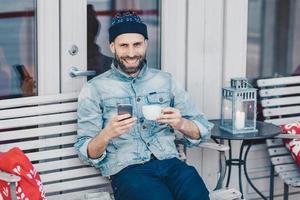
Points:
point(286, 168)
point(290, 174)
point(56, 153)
point(282, 121)
point(78, 195)
point(278, 81)
point(280, 160)
point(69, 174)
point(76, 184)
point(37, 100)
point(274, 142)
point(280, 101)
point(40, 143)
point(279, 91)
point(38, 110)
point(38, 132)
point(293, 181)
point(269, 112)
point(58, 164)
point(31, 121)
point(278, 151)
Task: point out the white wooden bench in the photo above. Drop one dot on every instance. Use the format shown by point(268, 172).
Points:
point(44, 127)
point(280, 100)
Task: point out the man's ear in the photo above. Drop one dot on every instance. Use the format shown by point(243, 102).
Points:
point(146, 43)
point(112, 47)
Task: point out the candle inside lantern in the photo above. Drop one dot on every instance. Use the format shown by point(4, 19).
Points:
point(239, 120)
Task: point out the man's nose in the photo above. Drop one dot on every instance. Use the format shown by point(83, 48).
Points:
point(131, 52)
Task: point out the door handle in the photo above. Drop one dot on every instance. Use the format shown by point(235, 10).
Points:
point(74, 72)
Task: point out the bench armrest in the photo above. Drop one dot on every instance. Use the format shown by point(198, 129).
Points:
point(214, 146)
point(222, 160)
point(10, 178)
point(288, 136)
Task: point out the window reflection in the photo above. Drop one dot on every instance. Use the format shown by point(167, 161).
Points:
point(99, 15)
point(17, 48)
point(273, 38)
point(96, 60)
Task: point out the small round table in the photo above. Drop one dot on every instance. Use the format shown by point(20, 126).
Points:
point(265, 131)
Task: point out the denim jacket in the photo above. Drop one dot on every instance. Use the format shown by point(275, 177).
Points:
point(98, 101)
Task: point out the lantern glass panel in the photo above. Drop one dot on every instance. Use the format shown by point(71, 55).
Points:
point(227, 113)
point(249, 107)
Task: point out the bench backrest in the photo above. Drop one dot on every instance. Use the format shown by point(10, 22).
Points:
point(280, 100)
point(44, 127)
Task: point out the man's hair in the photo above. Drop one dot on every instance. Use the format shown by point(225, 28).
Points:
point(126, 22)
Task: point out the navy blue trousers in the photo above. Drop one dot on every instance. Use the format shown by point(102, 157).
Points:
point(169, 179)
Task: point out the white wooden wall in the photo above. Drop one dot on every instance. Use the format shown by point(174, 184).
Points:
point(203, 46)
point(48, 53)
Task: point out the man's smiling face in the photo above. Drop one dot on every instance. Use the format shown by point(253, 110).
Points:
point(130, 52)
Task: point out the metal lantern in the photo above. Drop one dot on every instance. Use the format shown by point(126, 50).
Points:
point(238, 107)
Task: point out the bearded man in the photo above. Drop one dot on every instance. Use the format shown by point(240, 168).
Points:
point(139, 155)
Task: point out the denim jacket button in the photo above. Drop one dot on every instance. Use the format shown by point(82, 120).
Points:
point(138, 99)
point(161, 99)
point(144, 127)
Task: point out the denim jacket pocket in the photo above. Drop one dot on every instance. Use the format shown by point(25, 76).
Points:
point(162, 98)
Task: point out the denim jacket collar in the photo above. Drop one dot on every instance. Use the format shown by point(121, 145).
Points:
point(119, 73)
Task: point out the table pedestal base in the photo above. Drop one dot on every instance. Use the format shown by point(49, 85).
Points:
point(241, 161)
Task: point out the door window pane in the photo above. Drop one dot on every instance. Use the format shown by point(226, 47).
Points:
point(273, 38)
point(99, 16)
point(17, 48)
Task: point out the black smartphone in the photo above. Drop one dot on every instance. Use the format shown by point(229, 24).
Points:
point(21, 70)
point(124, 109)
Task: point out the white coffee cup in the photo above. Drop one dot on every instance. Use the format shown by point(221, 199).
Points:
point(151, 112)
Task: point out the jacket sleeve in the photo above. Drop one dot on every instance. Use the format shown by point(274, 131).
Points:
point(89, 122)
point(182, 101)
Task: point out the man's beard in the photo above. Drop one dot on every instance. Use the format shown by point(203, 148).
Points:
point(130, 70)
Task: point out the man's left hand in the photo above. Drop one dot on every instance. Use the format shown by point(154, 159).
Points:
point(171, 116)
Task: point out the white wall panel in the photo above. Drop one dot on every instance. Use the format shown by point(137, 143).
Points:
point(173, 36)
point(214, 35)
point(204, 72)
point(48, 46)
point(196, 50)
point(235, 39)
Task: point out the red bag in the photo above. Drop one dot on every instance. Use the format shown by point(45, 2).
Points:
point(30, 186)
point(293, 144)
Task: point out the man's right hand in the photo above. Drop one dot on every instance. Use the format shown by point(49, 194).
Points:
point(118, 125)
